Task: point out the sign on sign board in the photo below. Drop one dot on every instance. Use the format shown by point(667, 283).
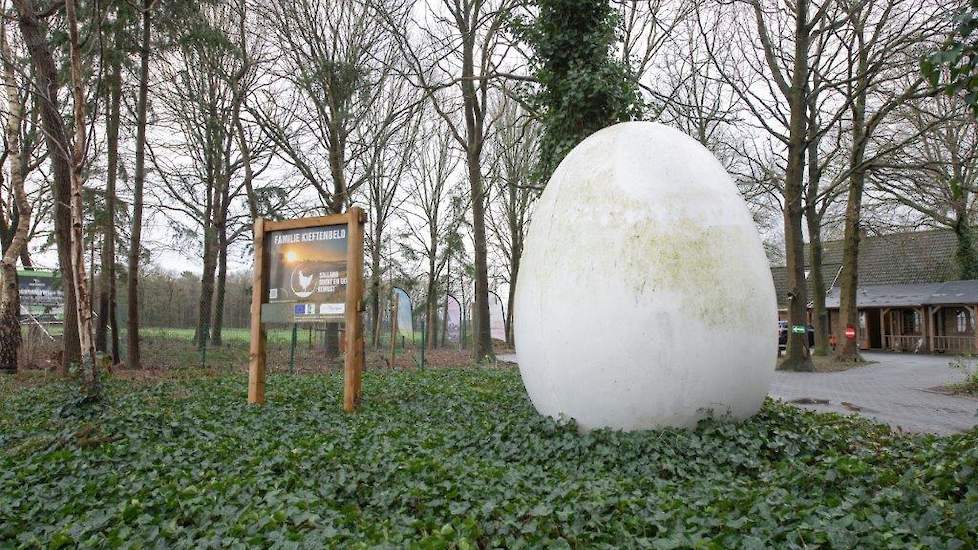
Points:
point(307, 275)
point(309, 270)
point(41, 295)
point(850, 332)
point(798, 329)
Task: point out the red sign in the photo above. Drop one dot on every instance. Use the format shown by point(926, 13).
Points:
point(850, 332)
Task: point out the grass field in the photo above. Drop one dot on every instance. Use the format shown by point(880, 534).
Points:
point(453, 458)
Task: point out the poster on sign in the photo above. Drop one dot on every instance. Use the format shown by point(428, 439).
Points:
point(307, 268)
point(405, 318)
point(497, 317)
point(41, 295)
point(453, 320)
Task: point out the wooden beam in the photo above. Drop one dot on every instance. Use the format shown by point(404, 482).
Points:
point(882, 329)
point(256, 354)
point(302, 223)
point(353, 359)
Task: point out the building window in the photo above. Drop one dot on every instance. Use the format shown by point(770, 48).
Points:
point(963, 322)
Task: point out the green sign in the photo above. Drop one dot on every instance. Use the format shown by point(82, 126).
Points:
point(798, 329)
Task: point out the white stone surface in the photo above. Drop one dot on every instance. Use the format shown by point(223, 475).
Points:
point(644, 297)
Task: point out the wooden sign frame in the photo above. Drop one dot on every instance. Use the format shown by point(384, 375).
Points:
point(354, 219)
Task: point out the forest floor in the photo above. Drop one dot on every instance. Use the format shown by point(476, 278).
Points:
point(165, 349)
point(452, 458)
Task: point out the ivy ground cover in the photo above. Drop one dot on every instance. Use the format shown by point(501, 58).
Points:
point(455, 458)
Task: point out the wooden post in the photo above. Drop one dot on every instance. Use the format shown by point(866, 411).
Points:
point(887, 330)
point(973, 311)
point(353, 358)
point(256, 355)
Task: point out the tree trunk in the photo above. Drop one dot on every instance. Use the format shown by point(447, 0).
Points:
point(797, 353)
point(222, 276)
point(10, 335)
point(106, 303)
point(448, 288)
point(822, 329)
point(56, 138)
point(482, 337)
point(431, 303)
point(137, 191)
point(375, 291)
point(514, 271)
point(846, 349)
point(205, 303)
point(966, 254)
point(82, 298)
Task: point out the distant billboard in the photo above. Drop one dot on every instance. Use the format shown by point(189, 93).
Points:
point(405, 315)
point(41, 294)
point(497, 317)
point(453, 324)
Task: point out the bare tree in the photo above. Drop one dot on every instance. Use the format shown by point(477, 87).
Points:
point(883, 37)
point(107, 275)
point(334, 57)
point(513, 149)
point(935, 176)
point(436, 207)
point(458, 60)
point(773, 84)
point(46, 87)
point(135, 242)
point(391, 132)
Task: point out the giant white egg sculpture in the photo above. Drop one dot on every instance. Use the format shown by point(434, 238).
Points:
point(644, 297)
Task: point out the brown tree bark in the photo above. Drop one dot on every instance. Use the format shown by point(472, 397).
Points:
point(846, 349)
point(514, 272)
point(107, 290)
point(474, 118)
point(220, 286)
point(815, 248)
point(431, 299)
point(34, 32)
point(797, 353)
point(132, 335)
point(375, 289)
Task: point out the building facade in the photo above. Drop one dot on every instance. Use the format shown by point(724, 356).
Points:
point(910, 295)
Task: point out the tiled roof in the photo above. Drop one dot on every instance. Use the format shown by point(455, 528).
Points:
point(900, 258)
point(895, 259)
point(908, 295)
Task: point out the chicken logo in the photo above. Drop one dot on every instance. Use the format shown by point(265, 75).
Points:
point(302, 284)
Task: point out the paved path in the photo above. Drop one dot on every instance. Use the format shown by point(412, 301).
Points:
point(895, 390)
